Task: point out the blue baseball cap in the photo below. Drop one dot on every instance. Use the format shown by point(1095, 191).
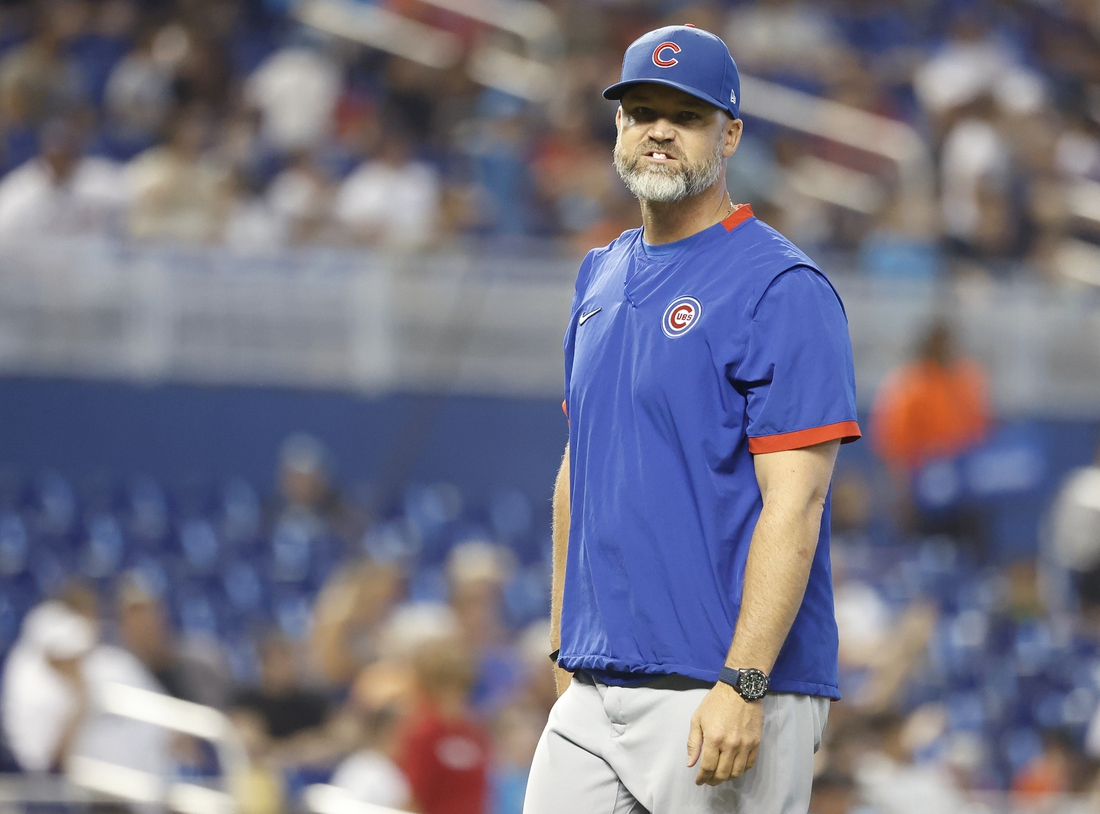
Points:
point(686, 58)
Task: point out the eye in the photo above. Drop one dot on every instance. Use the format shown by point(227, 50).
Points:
point(689, 116)
point(643, 114)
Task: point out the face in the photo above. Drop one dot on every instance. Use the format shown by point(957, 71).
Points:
point(143, 629)
point(671, 145)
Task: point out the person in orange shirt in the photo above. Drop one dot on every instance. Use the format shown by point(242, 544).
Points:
point(934, 407)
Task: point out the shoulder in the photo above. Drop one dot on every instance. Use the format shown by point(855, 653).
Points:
point(805, 283)
point(759, 244)
point(620, 244)
point(599, 256)
point(765, 258)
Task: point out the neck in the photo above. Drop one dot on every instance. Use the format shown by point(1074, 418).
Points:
point(668, 222)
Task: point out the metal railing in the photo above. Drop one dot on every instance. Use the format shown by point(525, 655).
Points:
point(528, 74)
point(124, 783)
point(89, 780)
point(454, 323)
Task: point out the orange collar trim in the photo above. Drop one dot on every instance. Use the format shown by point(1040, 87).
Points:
point(740, 214)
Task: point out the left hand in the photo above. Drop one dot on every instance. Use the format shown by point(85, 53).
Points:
point(725, 735)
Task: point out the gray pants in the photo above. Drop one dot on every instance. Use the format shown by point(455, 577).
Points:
point(623, 750)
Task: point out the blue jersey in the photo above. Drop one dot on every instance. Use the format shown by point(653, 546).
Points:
point(682, 361)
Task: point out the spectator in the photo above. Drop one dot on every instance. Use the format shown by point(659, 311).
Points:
point(61, 194)
point(46, 696)
point(443, 752)
point(1074, 538)
point(892, 782)
point(476, 574)
point(37, 80)
point(967, 66)
point(287, 710)
point(350, 614)
point(1069, 557)
point(1049, 774)
point(194, 671)
point(51, 676)
point(979, 214)
point(301, 197)
point(497, 144)
point(932, 409)
point(370, 774)
point(295, 90)
point(309, 495)
point(179, 193)
point(833, 793)
point(138, 97)
point(392, 201)
point(786, 38)
point(937, 406)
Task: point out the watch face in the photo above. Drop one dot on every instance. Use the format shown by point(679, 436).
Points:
point(752, 685)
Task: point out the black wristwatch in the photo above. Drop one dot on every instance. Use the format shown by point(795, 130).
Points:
point(751, 684)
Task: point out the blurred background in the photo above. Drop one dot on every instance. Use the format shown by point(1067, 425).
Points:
point(283, 285)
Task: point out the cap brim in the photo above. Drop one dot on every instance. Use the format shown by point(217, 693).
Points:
point(616, 91)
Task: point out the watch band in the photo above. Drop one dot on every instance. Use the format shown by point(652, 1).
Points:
point(728, 675)
point(750, 683)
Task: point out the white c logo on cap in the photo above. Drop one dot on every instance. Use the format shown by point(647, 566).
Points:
point(660, 61)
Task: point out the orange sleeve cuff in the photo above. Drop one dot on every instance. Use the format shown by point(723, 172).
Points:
point(846, 431)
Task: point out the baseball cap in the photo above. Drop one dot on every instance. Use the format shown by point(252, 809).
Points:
point(683, 57)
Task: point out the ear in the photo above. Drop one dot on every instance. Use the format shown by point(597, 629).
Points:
point(619, 118)
point(734, 129)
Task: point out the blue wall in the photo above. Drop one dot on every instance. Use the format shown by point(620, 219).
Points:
point(175, 432)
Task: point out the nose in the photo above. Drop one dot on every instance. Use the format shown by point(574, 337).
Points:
point(661, 130)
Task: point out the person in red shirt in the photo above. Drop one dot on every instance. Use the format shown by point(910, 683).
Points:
point(443, 752)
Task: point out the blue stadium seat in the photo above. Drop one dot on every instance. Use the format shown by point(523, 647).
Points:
point(14, 543)
point(200, 545)
point(148, 511)
point(104, 548)
point(55, 504)
point(240, 513)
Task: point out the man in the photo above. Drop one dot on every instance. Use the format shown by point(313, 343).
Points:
point(709, 382)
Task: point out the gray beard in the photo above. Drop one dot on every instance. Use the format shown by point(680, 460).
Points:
point(664, 183)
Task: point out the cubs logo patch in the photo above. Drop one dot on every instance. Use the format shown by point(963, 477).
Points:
point(682, 313)
point(662, 61)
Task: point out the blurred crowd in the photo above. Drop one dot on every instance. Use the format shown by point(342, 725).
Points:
point(227, 121)
point(400, 654)
point(407, 678)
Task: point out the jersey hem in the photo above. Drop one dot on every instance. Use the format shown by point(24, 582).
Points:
point(846, 431)
point(603, 663)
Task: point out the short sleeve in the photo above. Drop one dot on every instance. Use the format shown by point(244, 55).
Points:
point(797, 372)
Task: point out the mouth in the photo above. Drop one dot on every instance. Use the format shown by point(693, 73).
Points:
point(658, 156)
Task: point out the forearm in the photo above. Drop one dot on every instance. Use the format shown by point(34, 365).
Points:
point(776, 573)
point(794, 485)
point(560, 537)
point(71, 731)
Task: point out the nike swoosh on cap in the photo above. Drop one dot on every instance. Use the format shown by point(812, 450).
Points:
point(585, 317)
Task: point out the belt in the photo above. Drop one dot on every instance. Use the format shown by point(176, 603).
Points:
point(669, 681)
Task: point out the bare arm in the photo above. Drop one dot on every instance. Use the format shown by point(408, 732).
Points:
point(70, 671)
point(725, 730)
point(560, 535)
